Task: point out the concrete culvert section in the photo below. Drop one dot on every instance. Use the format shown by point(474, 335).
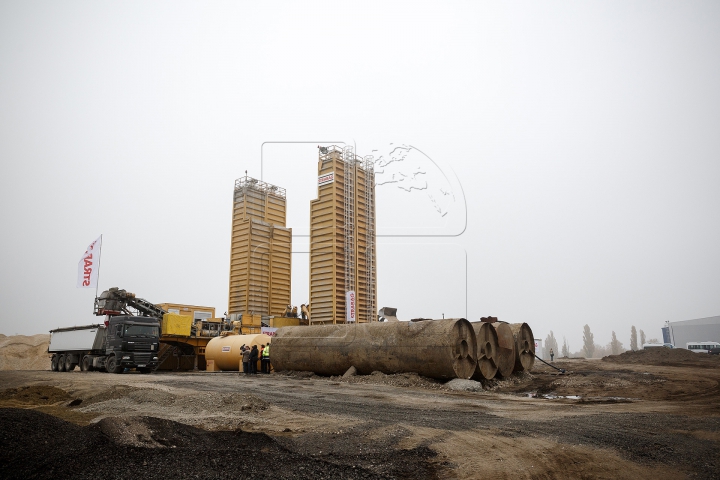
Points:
point(524, 346)
point(432, 348)
point(487, 351)
point(506, 349)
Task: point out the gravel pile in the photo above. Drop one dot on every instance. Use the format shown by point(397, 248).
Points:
point(211, 410)
point(36, 445)
point(464, 385)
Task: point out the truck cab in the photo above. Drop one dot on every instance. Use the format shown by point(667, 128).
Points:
point(133, 342)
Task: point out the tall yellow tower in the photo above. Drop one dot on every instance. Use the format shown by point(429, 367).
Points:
point(343, 280)
point(261, 250)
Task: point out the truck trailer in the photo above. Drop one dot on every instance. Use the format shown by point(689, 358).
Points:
point(122, 342)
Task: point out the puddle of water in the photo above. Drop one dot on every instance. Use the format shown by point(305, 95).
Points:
point(552, 396)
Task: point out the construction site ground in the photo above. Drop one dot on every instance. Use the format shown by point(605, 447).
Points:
point(648, 414)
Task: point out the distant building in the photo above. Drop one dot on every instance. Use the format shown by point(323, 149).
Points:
point(698, 330)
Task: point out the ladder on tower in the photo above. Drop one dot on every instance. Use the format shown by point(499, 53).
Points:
point(349, 214)
point(369, 168)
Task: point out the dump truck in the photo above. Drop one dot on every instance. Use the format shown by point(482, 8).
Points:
point(120, 343)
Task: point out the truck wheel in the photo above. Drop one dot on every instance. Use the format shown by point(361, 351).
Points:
point(61, 363)
point(69, 365)
point(86, 364)
point(54, 363)
point(111, 364)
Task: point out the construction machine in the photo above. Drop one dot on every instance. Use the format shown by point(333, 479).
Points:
point(181, 337)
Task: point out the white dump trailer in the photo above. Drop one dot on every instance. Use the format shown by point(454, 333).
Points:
point(75, 339)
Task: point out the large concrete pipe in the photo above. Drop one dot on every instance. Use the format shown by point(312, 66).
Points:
point(225, 351)
point(506, 349)
point(433, 348)
point(524, 346)
point(487, 351)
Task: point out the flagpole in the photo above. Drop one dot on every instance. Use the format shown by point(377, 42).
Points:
point(98, 275)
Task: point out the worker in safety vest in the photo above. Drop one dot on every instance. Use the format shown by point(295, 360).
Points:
point(265, 363)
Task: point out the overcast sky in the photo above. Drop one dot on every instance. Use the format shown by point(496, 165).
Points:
point(556, 163)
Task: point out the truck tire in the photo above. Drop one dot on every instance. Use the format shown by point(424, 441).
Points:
point(86, 364)
point(111, 364)
point(61, 363)
point(69, 365)
point(54, 363)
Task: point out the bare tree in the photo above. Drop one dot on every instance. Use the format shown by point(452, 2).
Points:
point(633, 339)
point(642, 338)
point(565, 348)
point(588, 342)
point(615, 345)
point(602, 350)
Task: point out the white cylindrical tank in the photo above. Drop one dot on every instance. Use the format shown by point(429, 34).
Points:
point(225, 351)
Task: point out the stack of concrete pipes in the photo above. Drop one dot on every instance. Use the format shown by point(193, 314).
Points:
point(443, 349)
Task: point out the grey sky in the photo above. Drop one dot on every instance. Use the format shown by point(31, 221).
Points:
point(582, 137)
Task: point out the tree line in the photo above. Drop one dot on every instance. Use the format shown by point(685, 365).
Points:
point(590, 349)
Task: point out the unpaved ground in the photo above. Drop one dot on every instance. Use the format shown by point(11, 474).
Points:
point(638, 415)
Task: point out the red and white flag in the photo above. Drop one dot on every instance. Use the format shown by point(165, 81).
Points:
point(89, 265)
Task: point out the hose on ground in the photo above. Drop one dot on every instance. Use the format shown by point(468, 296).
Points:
point(561, 370)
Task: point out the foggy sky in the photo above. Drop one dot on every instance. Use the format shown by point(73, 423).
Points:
point(579, 142)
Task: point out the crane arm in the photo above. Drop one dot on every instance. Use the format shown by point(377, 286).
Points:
point(116, 301)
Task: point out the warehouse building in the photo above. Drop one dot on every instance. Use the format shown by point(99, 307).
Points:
point(698, 330)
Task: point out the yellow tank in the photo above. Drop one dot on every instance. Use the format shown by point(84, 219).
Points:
point(225, 351)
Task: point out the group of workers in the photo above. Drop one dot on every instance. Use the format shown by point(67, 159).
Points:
point(250, 358)
point(292, 312)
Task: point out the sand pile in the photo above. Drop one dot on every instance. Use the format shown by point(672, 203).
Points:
point(666, 356)
point(20, 352)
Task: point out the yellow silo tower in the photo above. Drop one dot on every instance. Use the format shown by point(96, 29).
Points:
point(343, 280)
point(260, 252)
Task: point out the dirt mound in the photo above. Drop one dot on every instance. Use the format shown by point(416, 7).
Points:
point(35, 395)
point(145, 447)
point(20, 352)
point(666, 356)
point(396, 380)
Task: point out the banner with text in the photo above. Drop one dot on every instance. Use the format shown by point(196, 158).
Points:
point(350, 306)
point(326, 179)
point(269, 331)
point(88, 266)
